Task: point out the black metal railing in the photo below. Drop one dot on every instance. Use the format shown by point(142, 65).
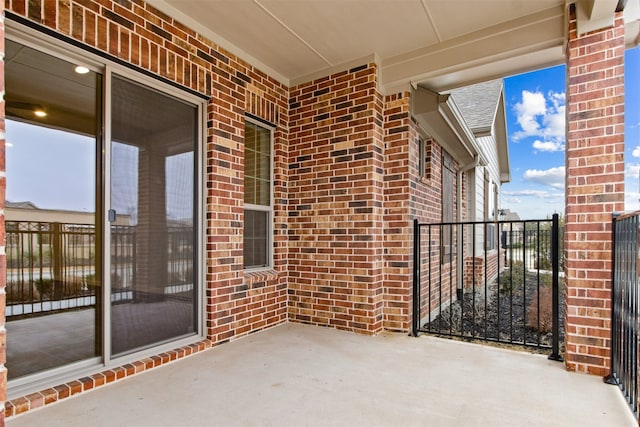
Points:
point(494, 281)
point(624, 311)
point(52, 266)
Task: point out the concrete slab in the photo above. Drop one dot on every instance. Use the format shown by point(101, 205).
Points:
point(298, 375)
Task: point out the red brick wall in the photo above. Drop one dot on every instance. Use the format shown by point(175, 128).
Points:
point(594, 189)
point(475, 267)
point(400, 157)
point(426, 205)
point(336, 160)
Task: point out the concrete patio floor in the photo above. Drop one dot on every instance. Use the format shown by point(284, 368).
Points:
point(298, 375)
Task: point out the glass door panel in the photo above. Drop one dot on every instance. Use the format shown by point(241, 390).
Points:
point(53, 262)
point(152, 217)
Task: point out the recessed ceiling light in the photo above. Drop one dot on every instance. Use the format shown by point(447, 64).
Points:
point(40, 113)
point(81, 69)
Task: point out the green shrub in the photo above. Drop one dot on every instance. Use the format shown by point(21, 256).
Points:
point(44, 286)
point(543, 263)
point(512, 277)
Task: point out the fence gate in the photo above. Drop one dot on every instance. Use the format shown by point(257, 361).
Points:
point(494, 281)
point(624, 316)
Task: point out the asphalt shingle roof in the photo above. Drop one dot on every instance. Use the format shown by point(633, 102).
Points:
point(478, 102)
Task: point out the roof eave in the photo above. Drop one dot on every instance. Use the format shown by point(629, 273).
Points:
point(439, 116)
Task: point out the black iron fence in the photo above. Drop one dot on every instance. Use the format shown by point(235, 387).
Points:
point(624, 317)
point(52, 266)
point(494, 281)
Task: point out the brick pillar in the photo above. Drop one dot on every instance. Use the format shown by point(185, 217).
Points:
point(151, 233)
point(3, 260)
point(401, 160)
point(594, 189)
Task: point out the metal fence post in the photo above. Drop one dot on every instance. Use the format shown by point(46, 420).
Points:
point(555, 266)
point(416, 279)
point(57, 260)
point(611, 378)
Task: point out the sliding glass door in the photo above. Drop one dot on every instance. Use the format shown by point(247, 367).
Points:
point(101, 219)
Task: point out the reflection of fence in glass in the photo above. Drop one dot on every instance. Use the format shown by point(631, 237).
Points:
point(52, 266)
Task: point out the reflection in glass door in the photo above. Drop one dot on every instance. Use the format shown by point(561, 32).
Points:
point(52, 246)
point(151, 215)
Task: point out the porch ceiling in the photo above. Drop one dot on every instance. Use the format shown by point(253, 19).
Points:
point(438, 44)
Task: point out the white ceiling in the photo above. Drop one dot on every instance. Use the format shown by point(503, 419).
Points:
point(437, 43)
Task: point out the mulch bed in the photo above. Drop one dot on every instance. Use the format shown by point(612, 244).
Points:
point(506, 314)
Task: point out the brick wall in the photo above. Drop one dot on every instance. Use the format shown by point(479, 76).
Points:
point(336, 160)
point(594, 189)
point(475, 269)
point(400, 158)
point(438, 289)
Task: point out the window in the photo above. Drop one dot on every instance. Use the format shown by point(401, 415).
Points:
point(489, 212)
point(425, 147)
point(421, 158)
point(448, 206)
point(257, 195)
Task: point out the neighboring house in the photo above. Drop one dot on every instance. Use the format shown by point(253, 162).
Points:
point(297, 167)
point(466, 129)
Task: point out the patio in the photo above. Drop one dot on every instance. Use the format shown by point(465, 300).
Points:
point(295, 374)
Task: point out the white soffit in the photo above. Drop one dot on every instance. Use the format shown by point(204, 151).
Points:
point(415, 40)
point(513, 47)
point(632, 23)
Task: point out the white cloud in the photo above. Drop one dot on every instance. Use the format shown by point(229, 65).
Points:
point(506, 200)
point(636, 151)
point(631, 200)
point(548, 145)
point(533, 204)
point(553, 177)
point(533, 105)
point(543, 117)
point(554, 122)
point(526, 193)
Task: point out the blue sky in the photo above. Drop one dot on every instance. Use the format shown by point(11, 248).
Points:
point(535, 107)
point(55, 169)
point(51, 168)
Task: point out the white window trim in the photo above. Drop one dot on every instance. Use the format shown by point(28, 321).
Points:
point(263, 208)
point(422, 153)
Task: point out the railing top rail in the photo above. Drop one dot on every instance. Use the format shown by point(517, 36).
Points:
point(618, 216)
point(519, 221)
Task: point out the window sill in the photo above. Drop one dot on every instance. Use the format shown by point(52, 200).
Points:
point(257, 276)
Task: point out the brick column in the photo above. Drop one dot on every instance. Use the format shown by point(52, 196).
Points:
point(594, 189)
point(151, 233)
